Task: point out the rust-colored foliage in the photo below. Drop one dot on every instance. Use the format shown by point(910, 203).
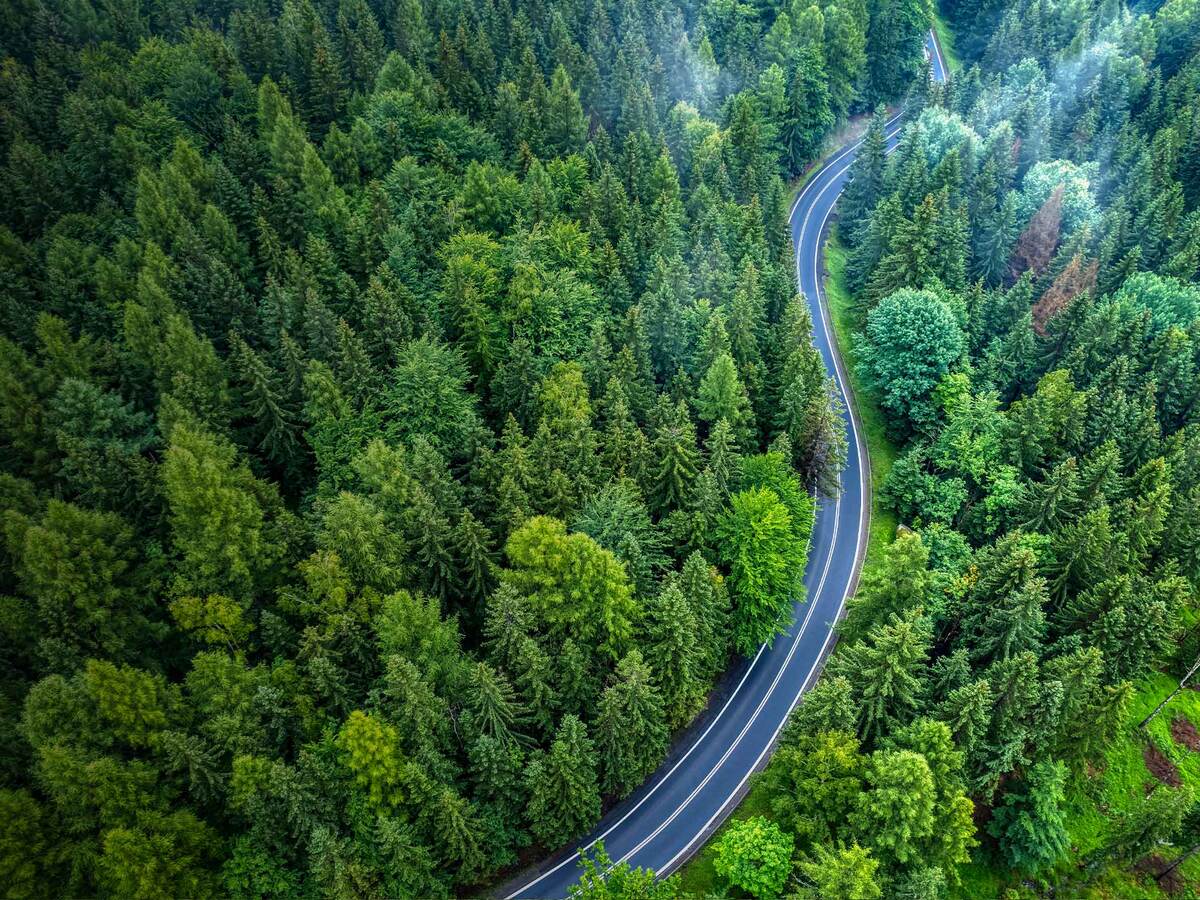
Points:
point(1037, 243)
point(1072, 281)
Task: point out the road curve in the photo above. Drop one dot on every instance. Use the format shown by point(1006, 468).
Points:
point(668, 818)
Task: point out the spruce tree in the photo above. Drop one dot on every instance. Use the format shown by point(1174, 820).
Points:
point(674, 654)
point(630, 726)
point(674, 459)
point(808, 116)
point(722, 397)
point(886, 671)
point(564, 794)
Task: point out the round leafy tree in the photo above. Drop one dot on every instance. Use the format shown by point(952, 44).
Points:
point(912, 341)
point(756, 856)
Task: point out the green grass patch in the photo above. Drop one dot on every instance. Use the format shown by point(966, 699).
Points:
point(1095, 803)
point(1096, 800)
point(945, 36)
point(846, 328)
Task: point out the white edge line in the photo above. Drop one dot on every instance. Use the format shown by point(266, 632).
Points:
point(833, 542)
point(838, 374)
point(862, 486)
point(577, 854)
point(811, 600)
point(812, 605)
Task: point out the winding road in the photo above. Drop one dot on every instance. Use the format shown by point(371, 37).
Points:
point(668, 818)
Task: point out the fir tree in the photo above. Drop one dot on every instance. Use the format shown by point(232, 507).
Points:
point(630, 727)
point(564, 796)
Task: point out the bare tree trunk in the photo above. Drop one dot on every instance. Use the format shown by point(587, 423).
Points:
point(1179, 861)
point(1182, 682)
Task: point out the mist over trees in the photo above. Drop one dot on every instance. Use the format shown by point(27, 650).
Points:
point(1025, 270)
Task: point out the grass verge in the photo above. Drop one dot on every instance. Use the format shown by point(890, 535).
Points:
point(846, 328)
point(699, 877)
point(945, 36)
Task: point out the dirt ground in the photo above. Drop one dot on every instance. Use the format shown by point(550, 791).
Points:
point(1151, 865)
point(1185, 733)
point(1161, 767)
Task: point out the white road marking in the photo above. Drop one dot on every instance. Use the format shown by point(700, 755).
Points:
point(839, 377)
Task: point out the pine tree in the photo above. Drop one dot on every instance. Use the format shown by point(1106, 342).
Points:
point(577, 686)
point(664, 303)
point(674, 654)
point(722, 397)
point(432, 538)
point(472, 550)
point(566, 127)
point(723, 461)
point(705, 592)
point(492, 704)
point(533, 678)
point(900, 581)
point(564, 795)
point(1049, 504)
point(885, 670)
point(675, 459)
point(457, 832)
point(808, 116)
point(630, 726)
point(895, 41)
point(912, 260)
point(1012, 623)
point(362, 42)
point(968, 711)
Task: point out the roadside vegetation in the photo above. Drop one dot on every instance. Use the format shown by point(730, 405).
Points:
point(1017, 286)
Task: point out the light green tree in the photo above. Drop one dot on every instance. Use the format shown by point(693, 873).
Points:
point(842, 871)
point(758, 544)
point(722, 396)
point(579, 589)
point(895, 815)
point(754, 855)
point(371, 751)
point(218, 521)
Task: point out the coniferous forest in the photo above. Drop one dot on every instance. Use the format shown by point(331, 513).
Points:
point(1022, 274)
point(407, 415)
point(406, 412)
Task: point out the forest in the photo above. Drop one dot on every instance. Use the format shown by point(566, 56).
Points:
point(1023, 273)
point(406, 415)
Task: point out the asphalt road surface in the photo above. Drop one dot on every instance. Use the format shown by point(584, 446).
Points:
point(667, 820)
